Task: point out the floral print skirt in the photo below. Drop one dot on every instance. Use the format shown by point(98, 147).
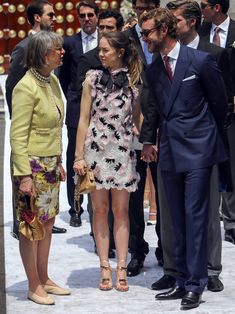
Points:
point(46, 179)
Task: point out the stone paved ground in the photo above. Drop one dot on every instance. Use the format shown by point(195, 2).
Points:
point(74, 264)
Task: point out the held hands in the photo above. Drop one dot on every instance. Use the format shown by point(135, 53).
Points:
point(27, 187)
point(149, 153)
point(79, 166)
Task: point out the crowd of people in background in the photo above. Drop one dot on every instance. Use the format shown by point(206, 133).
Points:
point(151, 95)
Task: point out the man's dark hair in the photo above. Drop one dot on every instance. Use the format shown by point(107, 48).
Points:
point(189, 9)
point(90, 4)
point(156, 2)
point(223, 3)
point(36, 7)
point(115, 14)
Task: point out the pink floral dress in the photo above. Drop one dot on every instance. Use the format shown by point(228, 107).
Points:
point(109, 142)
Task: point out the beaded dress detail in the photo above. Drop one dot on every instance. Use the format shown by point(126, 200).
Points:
point(109, 147)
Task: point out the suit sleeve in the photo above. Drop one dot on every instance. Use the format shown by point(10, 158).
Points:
point(20, 127)
point(215, 90)
point(64, 72)
point(151, 121)
point(233, 70)
point(83, 67)
point(16, 72)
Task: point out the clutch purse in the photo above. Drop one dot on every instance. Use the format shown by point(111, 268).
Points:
point(83, 185)
point(30, 226)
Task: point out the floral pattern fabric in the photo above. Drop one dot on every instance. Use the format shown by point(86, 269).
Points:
point(46, 179)
point(109, 149)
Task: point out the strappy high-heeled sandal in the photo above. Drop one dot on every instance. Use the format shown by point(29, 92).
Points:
point(121, 273)
point(106, 282)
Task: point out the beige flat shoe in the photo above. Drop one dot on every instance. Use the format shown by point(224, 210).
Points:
point(40, 300)
point(56, 290)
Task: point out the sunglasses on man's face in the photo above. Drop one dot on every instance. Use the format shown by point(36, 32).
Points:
point(146, 32)
point(51, 15)
point(205, 5)
point(89, 15)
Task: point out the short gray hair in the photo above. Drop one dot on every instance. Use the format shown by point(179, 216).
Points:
point(38, 47)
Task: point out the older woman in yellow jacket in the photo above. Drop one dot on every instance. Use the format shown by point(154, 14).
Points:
point(36, 142)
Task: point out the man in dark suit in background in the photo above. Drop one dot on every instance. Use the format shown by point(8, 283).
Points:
point(41, 16)
point(190, 112)
point(75, 46)
point(188, 15)
point(108, 21)
point(138, 247)
point(219, 29)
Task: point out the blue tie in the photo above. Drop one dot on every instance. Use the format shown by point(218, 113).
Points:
point(148, 55)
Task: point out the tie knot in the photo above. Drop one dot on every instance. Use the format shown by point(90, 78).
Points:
point(217, 29)
point(166, 58)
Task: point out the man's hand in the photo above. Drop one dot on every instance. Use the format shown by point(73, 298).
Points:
point(149, 153)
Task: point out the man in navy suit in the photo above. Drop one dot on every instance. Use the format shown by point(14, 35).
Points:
point(75, 46)
point(219, 28)
point(189, 112)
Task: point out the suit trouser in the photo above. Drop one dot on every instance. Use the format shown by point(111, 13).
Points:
point(187, 196)
point(137, 245)
point(214, 242)
point(228, 198)
point(70, 156)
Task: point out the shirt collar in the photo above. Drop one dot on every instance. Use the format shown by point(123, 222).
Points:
point(223, 26)
point(174, 53)
point(194, 43)
point(93, 35)
point(138, 30)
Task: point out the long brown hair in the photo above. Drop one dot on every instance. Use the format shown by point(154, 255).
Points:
point(120, 40)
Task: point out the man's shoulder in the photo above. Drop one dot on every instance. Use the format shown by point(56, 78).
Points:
point(69, 40)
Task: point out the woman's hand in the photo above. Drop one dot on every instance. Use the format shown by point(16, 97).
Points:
point(63, 174)
point(135, 131)
point(27, 187)
point(79, 166)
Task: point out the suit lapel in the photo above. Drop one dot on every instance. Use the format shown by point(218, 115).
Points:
point(182, 65)
point(231, 34)
point(79, 41)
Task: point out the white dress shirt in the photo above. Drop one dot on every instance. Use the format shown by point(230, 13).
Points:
point(223, 33)
point(173, 56)
point(89, 42)
point(194, 43)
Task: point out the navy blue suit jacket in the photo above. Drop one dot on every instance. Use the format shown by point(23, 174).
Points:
point(67, 74)
point(192, 111)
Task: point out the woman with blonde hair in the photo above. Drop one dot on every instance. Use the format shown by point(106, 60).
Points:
point(104, 143)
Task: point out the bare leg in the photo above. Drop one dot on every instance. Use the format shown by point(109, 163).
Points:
point(120, 202)
point(100, 204)
point(43, 253)
point(28, 252)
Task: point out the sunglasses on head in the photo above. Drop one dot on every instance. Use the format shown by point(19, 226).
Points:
point(83, 15)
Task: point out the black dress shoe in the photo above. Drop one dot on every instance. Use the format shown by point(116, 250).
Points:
point(166, 282)
point(58, 230)
point(230, 236)
point(214, 284)
point(190, 300)
point(134, 267)
point(173, 294)
point(75, 220)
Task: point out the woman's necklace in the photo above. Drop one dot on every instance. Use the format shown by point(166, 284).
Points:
point(40, 77)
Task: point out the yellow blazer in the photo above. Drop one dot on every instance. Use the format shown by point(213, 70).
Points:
point(37, 120)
